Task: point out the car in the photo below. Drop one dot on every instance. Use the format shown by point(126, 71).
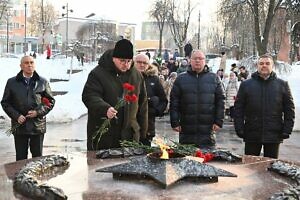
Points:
point(58, 56)
point(211, 56)
point(9, 55)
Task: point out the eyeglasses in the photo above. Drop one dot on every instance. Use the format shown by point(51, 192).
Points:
point(141, 62)
point(124, 61)
point(28, 62)
point(198, 58)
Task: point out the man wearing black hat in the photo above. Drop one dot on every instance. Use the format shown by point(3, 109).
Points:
point(103, 90)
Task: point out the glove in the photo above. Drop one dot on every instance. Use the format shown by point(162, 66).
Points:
point(285, 135)
point(154, 101)
point(240, 133)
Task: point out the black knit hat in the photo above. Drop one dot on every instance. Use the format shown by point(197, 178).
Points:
point(123, 49)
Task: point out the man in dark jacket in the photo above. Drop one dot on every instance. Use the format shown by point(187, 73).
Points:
point(157, 100)
point(102, 91)
point(264, 110)
point(197, 104)
point(27, 99)
point(188, 48)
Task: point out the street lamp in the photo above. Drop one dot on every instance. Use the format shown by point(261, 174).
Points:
point(199, 31)
point(25, 39)
point(8, 14)
point(98, 36)
point(67, 26)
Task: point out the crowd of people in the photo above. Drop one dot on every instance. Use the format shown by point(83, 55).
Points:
point(197, 100)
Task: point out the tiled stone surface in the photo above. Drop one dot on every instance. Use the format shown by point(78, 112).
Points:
point(81, 181)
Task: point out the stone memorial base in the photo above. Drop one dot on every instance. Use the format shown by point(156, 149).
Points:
point(81, 181)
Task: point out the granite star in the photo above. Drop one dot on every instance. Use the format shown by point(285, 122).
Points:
point(167, 172)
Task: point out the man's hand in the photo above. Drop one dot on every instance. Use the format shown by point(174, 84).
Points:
point(111, 113)
point(31, 114)
point(21, 119)
point(285, 135)
point(215, 128)
point(240, 133)
point(177, 129)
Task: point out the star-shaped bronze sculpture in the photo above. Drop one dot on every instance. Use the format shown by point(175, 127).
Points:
point(167, 172)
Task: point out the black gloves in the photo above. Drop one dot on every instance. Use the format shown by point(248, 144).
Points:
point(285, 135)
point(240, 133)
point(154, 101)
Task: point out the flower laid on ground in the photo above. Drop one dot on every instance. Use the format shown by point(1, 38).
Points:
point(13, 129)
point(206, 156)
point(174, 148)
point(128, 97)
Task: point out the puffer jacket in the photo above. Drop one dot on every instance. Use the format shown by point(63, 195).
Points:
point(264, 110)
point(231, 92)
point(103, 89)
point(19, 98)
point(196, 103)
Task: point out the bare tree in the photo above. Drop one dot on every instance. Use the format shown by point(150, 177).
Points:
point(3, 7)
point(41, 19)
point(178, 20)
point(160, 13)
point(263, 12)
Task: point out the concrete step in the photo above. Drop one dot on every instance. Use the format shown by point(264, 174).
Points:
point(74, 71)
point(53, 80)
point(55, 93)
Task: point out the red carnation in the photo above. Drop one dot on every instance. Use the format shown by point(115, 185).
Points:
point(199, 154)
point(134, 98)
point(127, 98)
point(128, 86)
point(46, 102)
point(208, 157)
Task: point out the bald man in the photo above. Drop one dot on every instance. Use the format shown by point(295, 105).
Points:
point(157, 100)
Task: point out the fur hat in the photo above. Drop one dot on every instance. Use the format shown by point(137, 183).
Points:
point(123, 49)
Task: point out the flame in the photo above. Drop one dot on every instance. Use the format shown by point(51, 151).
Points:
point(163, 147)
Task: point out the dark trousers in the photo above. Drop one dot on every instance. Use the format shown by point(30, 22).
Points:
point(231, 112)
point(271, 150)
point(23, 142)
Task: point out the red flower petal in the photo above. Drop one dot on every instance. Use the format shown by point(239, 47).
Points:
point(46, 102)
point(128, 87)
point(134, 98)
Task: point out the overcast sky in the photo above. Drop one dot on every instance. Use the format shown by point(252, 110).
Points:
point(129, 11)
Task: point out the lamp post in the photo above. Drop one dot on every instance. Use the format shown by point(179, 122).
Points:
point(198, 44)
point(67, 25)
point(98, 35)
point(25, 27)
point(43, 25)
point(8, 14)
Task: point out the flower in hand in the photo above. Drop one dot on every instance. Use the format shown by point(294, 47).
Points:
point(128, 97)
point(22, 119)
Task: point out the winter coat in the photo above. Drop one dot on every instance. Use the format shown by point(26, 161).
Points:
point(196, 103)
point(103, 89)
point(19, 98)
point(231, 92)
point(264, 110)
point(157, 100)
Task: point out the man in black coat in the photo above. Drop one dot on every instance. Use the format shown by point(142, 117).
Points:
point(188, 48)
point(27, 99)
point(103, 90)
point(264, 110)
point(157, 100)
point(197, 104)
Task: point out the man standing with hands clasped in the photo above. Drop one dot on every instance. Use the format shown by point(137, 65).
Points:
point(197, 104)
point(264, 110)
point(27, 99)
